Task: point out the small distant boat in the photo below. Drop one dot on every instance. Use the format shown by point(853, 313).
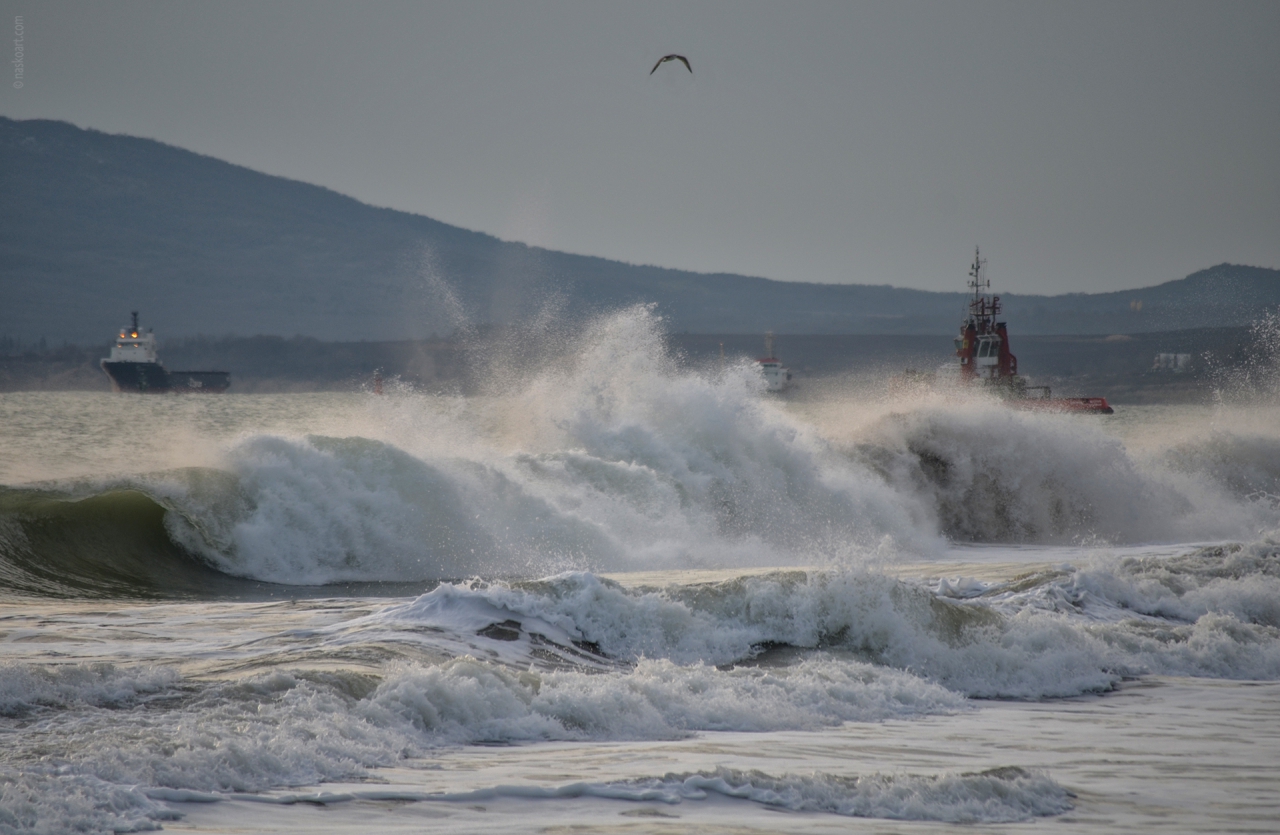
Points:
point(982, 349)
point(134, 367)
point(776, 377)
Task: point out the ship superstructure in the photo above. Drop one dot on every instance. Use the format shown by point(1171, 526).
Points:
point(777, 377)
point(983, 343)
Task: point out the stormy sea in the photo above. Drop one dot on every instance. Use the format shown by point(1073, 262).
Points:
point(609, 592)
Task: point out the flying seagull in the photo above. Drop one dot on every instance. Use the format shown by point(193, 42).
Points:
point(665, 58)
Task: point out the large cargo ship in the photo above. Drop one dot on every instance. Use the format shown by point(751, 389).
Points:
point(133, 366)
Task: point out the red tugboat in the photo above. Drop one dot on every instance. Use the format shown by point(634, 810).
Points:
point(985, 359)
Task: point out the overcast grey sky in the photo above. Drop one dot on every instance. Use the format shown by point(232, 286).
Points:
point(1086, 146)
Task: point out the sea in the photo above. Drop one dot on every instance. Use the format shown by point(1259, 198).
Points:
point(609, 592)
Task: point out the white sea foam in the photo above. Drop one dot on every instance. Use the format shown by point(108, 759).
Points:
point(997, 796)
point(49, 803)
point(289, 729)
point(97, 744)
point(26, 689)
point(321, 510)
point(611, 459)
point(614, 461)
point(1238, 580)
point(685, 659)
point(1002, 795)
point(1060, 633)
point(469, 701)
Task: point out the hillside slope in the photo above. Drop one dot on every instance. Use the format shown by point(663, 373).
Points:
point(95, 225)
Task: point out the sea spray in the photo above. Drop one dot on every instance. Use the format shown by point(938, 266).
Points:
point(610, 458)
point(1252, 378)
point(616, 462)
point(990, 474)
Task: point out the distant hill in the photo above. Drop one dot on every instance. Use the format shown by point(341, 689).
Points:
point(1227, 295)
point(94, 225)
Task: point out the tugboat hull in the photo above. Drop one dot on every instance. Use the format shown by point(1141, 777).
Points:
point(1084, 405)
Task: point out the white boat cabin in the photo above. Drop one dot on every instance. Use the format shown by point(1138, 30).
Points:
point(776, 376)
point(985, 359)
point(132, 345)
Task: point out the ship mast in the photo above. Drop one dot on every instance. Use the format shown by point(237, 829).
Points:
point(977, 280)
point(982, 311)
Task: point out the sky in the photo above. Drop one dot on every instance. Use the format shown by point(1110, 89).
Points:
point(1085, 146)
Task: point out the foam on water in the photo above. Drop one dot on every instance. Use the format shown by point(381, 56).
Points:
point(1061, 633)
point(611, 459)
point(295, 729)
point(44, 802)
point(997, 796)
point(27, 689)
point(774, 652)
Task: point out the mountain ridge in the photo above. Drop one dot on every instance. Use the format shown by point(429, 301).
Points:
point(98, 224)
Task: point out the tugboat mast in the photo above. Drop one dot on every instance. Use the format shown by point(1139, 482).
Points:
point(976, 278)
point(981, 310)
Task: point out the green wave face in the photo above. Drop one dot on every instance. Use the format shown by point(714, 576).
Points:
point(110, 544)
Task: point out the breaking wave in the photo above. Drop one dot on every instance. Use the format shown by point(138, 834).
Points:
point(1052, 632)
point(576, 657)
point(612, 459)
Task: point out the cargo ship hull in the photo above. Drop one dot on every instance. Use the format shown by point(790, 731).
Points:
point(154, 378)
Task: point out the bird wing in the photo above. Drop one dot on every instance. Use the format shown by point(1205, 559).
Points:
point(659, 64)
point(686, 62)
